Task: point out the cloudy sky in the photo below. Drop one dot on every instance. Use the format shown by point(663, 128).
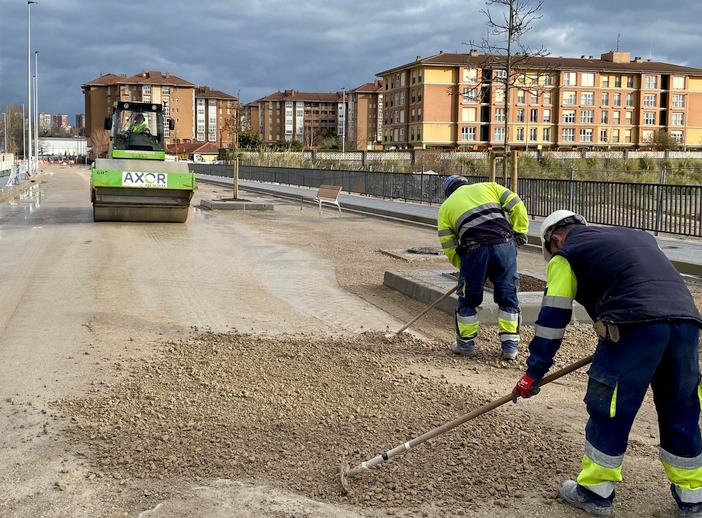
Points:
point(258, 47)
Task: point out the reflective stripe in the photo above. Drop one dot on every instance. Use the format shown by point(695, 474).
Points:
point(449, 244)
point(555, 301)
point(446, 232)
point(505, 196)
point(506, 315)
point(598, 478)
point(467, 320)
point(507, 337)
point(680, 462)
point(613, 402)
point(687, 496)
point(549, 333)
point(601, 458)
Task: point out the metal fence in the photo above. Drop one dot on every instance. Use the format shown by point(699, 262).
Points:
point(655, 207)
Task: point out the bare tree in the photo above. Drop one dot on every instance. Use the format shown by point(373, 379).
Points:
point(99, 142)
point(509, 53)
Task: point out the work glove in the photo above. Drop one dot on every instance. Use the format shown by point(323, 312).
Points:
point(525, 388)
point(520, 239)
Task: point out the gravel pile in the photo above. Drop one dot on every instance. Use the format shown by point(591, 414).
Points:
point(287, 411)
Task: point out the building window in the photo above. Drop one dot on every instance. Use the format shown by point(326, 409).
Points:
point(676, 136)
point(627, 136)
point(678, 101)
point(547, 98)
point(630, 100)
point(587, 99)
point(630, 81)
point(547, 134)
point(603, 135)
point(604, 118)
point(615, 136)
point(548, 79)
point(468, 133)
point(587, 116)
point(617, 81)
point(588, 79)
point(470, 95)
point(650, 100)
point(649, 118)
point(547, 115)
point(533, 97)
point(520, 97)
point(534, 115)
point(605, 81)
point(586, 135)
point(677, 119)
point(499, 114)
point(470, 75)
point(501, 74)
point(617, 99)
point(468, 114)
point(651, 82)
point(499, 134)
point(569, 78)
point(520, 115)
point(628, 118)
point(146, 90)
point(678, 83)
point(569, 98)
point(615, 118)
point(605, 99)
point(533, 133)
point(569, 116)
point(568, 134)
point(520, 134)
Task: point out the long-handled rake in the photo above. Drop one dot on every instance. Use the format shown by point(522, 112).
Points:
point(346, 472)
point(426, 310)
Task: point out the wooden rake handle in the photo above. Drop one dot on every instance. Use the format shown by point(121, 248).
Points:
point(397, 450)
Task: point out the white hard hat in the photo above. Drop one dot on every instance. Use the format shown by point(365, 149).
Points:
point(556, 219)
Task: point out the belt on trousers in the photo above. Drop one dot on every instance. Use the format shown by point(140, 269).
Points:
point(606, 331)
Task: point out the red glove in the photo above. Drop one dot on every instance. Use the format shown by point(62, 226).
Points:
point(525, 388)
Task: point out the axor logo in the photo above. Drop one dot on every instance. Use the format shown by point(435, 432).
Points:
point(143, 179)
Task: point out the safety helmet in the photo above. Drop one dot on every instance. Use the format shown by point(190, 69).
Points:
point(559, 218)
point(452, 183)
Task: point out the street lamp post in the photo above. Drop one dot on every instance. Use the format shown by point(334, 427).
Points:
point(36, 109)
point(29, 86)
point(343, 120)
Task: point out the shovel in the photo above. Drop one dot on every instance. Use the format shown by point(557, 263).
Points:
point(345, 471)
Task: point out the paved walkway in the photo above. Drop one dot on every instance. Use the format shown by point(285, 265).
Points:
point(685, 254)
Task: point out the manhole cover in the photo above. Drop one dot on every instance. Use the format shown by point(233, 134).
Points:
point(426, 250)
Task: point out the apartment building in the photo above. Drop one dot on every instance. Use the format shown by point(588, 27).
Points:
point(457, 101)
point(60, 121)
point(175, 94)
point(364, 111)
point(308, 117)
point(216, 117)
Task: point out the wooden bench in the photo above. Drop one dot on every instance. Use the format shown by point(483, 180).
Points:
point(328, 194)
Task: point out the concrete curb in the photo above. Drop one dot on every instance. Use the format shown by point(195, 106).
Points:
point(12, 192)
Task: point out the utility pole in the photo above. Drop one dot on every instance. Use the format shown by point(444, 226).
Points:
point(28, 152)
point(36, 109)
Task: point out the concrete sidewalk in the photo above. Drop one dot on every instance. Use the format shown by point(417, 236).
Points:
point(685, 254)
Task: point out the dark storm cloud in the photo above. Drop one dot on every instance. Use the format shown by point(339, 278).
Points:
point(256, 48)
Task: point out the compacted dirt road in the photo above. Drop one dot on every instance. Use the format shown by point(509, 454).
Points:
point(227, 366)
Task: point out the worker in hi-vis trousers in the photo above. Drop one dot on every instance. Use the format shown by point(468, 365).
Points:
point(648, 329)
point(480, 227)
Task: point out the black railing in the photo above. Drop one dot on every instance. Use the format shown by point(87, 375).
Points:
point(655, 207)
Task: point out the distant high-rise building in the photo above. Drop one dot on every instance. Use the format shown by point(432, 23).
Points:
point(80, 121)
point(44, 121)
point(60, 121)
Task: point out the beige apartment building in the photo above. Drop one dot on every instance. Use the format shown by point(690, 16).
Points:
point(457, 101)
point(175, 94)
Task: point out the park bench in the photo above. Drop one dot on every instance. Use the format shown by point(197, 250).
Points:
point(328, 194)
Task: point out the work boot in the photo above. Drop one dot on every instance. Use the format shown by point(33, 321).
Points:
point(686, 509)
point(578, 496)
point(510, 349)
point(464, 347)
